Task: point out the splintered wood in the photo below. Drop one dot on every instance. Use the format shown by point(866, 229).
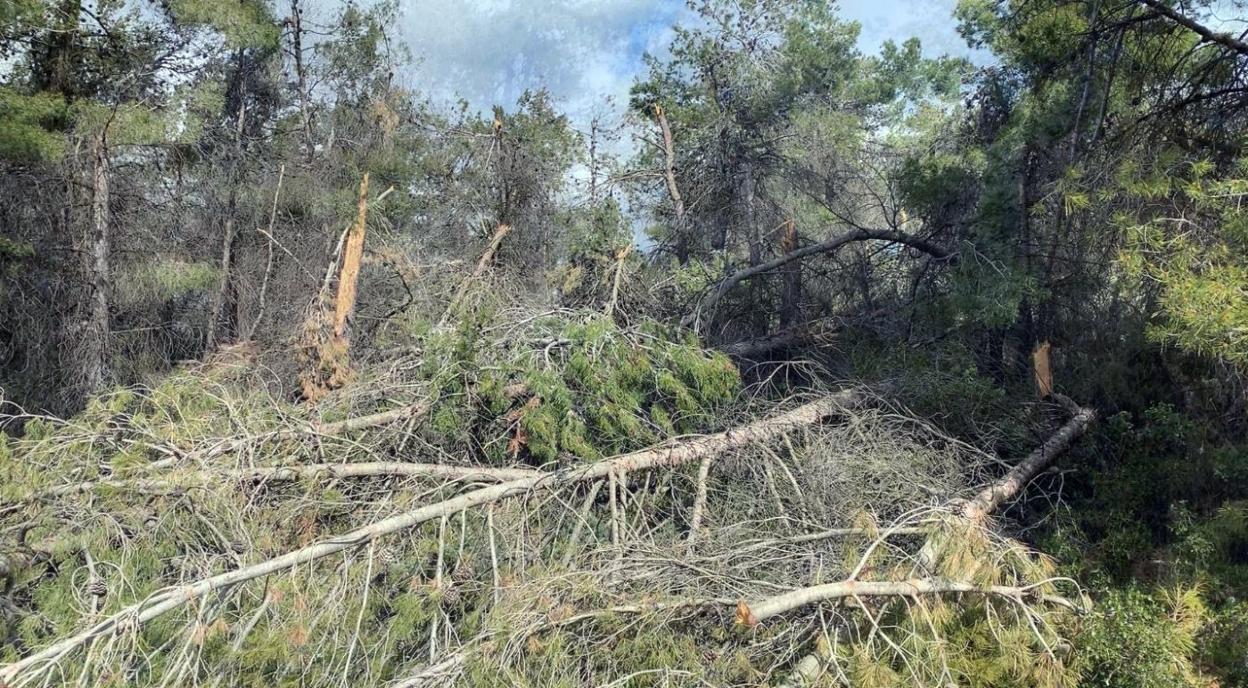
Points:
point(327, 355)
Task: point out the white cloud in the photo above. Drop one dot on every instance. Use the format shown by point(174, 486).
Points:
point(490, 51)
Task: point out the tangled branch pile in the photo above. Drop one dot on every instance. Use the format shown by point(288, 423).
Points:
point(558, 502)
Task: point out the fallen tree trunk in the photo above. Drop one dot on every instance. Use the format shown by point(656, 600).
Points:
point(1008, 486)
point(287, 473)
point(753, 614)
point(769, 344)
point(673, 454)
point(827, 245)
point(975, 511)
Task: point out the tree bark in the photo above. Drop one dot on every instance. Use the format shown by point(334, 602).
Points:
point(223, 318)
point(301, 80)
point(791, 296)
point(99, 269)
point(672, 454)
point(992, 497)
point(682, 242)
point(1206, 34)
point(222, 324)
point(368, 469)
point(779, 604)
point(826, 246)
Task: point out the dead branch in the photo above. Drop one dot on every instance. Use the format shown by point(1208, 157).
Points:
point(674, 453)
point(827, 245)
point(234, 444)
point(669, 176)
point(482, 265)
point(1206, 34)
point(792, 338)
point(752, 614)
point(371, 469)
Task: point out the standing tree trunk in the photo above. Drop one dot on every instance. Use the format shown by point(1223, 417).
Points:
point(222, 322)
point(349, 278)
point(223, 319)
point(747, 227)
point(95, 340)
point(301, 78)
point(791, 299)
point(681, 243)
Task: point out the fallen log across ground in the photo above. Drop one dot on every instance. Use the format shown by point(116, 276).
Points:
point(974, 512)
point(675, 453)
point(753, 614)
point(370, 469)
point(1008, 486)
point(222, 447)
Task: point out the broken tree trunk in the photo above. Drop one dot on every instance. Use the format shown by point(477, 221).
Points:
point(681, 244)
point(791, 295)
point(483, 264)
point(621, 258)
point(672, 454)
point(975, 512)
point(349, 277)
point(328, 354)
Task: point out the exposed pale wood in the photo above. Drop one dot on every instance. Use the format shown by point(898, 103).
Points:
point(349, 276)
point(669, 177)
point(773, 606)
point(671, 454)
point(1043, 370)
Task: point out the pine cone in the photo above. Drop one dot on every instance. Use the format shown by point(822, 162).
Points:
point(464, 572)
point(451, 595)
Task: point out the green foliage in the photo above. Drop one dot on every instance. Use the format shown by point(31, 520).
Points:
point(1201, 274)
point(244, 24)
point(1136, 640)
point(160, 281)
point(585, 390)
point(32, 126)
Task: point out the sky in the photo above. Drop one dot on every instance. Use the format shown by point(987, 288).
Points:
point(584, 51)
